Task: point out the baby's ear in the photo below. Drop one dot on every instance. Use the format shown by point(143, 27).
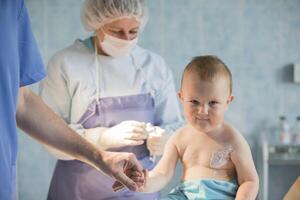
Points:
point(180, 95)
point(230, 99)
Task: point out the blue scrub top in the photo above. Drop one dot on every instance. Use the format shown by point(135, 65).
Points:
point(20, 65)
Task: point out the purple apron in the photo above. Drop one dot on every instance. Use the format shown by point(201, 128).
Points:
point(75, 180)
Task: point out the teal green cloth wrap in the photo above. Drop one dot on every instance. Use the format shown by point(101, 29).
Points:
point(88, 43)
point(206, 189)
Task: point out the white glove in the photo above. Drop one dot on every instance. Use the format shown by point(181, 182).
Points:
point(127, 133)
point(157, 139)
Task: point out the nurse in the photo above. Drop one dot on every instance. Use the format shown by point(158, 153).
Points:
point(112, 92)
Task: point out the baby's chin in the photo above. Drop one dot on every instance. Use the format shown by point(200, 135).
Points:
point(202, 128)
point(205, 128)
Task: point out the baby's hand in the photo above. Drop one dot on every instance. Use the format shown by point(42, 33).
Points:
point(137, 177)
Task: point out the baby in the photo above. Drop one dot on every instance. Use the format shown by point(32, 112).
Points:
point(216, 159)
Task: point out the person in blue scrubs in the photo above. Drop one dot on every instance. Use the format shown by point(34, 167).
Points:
point(21, 65)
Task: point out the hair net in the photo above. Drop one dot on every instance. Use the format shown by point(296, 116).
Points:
point(96, 13)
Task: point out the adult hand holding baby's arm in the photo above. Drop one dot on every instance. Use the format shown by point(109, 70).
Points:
point(147, 182)
point(138, 177)
point(159, 177)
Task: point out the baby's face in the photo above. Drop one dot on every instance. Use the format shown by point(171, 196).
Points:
point(204, 102)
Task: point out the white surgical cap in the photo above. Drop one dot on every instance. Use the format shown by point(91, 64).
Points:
point(97, 13)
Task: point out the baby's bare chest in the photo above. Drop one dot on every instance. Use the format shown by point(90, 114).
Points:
point(207, 154)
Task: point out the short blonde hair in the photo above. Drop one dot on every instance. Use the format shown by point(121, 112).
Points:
point(208, 68)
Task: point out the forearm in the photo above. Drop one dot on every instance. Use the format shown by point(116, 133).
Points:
point(60, 155)
point(92, 135)
point(40, 122)
point(247, 191)
point(89, 134)
point(155, 182)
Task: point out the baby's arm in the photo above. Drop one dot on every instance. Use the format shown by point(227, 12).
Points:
point(160, 176)
point(246, 172)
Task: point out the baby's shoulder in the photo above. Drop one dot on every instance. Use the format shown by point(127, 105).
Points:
point(181, 134)
point(233, 136)
point(230, 131)
point(181, 138)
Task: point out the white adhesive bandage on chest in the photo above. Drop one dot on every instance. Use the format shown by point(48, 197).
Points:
point(220, 157)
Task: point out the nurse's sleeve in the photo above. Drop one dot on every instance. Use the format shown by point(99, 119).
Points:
point(54, 91)
point(167, 110)
point(31, 65)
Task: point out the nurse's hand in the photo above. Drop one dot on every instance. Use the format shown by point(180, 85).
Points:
point(125, 168)
point(137, 177)
point(157, 140)
point(127, 133)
